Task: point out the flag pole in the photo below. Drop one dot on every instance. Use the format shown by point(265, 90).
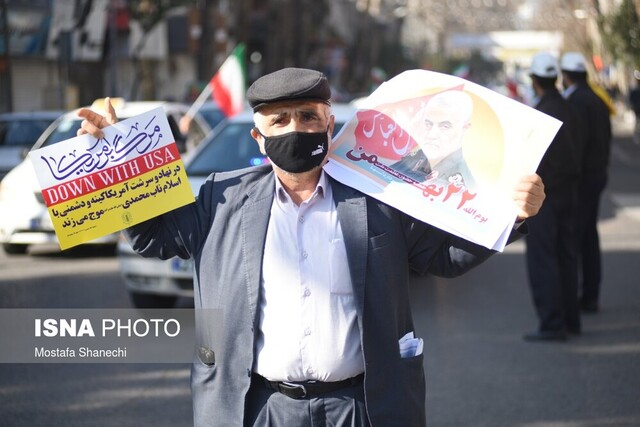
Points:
point(185, 121)
point(228, 68)
point(207, 91)
point(200, 100)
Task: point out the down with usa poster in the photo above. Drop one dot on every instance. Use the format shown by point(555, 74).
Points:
point(94, 187)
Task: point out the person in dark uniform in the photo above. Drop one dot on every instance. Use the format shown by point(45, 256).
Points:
point(634, 102)
point(594, 132)
point(552, 242)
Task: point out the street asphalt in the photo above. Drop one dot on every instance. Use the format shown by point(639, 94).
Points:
point(480, 372)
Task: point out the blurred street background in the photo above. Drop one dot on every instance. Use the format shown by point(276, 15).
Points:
point(61, 54)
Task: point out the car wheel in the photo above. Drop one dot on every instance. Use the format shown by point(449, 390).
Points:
point(14, 248)
point(142, 300)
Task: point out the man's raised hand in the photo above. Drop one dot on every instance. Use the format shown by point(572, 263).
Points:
point(94, 122)
point(528, 196)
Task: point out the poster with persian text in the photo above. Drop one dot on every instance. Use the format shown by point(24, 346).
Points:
point(444, 150)
point(94, 187)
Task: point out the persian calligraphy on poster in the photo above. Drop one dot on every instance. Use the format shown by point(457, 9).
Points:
point(95, 187)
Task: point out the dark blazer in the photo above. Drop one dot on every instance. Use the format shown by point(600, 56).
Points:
point(224, 231)
point(593, 127)
point(562, 162)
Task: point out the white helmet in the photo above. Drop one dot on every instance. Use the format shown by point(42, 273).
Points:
point(544, 64)
point(573, 61)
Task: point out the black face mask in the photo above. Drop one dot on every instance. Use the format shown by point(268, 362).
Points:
point(297, 152)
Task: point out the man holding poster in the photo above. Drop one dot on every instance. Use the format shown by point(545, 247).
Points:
point(312, 276)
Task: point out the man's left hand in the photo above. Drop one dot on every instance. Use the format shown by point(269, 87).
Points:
point(528, 196)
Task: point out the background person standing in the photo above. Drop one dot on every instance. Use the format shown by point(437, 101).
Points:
point(593, 128)
point(551, 244)
point(634, 102)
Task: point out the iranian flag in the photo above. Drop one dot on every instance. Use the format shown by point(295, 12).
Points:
point(228, 84)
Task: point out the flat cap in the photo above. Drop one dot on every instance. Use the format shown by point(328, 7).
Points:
point(289, 84)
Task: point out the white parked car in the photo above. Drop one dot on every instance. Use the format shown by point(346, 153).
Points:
point(24, 218)
point(18, 133)
point(153, 283)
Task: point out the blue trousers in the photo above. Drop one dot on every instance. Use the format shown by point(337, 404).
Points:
point(552, 263)
point(590, 190)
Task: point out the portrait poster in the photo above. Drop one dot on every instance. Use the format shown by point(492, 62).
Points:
point(444, 150)
point(95, 187)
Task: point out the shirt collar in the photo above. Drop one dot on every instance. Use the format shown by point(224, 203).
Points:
point(568, 91)
point(320, 191)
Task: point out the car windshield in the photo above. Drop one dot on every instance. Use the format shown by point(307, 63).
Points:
point(231, 148)
point(22, 132)
point(66, 129)
point(213, 116)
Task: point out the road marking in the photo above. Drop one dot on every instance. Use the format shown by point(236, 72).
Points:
point(628, 204)
point(623, 239)
point(607, 244)
point(22, 268)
